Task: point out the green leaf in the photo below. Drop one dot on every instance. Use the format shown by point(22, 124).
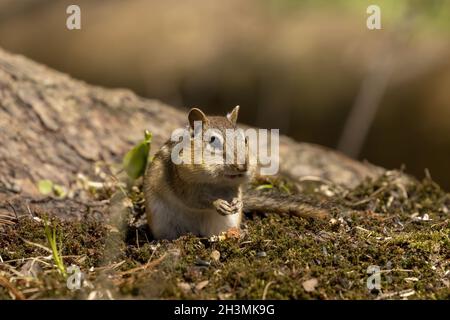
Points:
point(45, 187)
point(135, 161)
point(265, 186)
point(285, 188)
point(59, 191)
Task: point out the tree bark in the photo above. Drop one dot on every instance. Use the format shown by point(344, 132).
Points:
point(55, 127)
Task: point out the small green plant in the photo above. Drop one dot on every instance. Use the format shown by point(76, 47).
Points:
point(135, 161)
point(47, 187)
point(265, 186)
point(275, 184)
point(56, 253)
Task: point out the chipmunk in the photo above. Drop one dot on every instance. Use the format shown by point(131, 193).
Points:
point(208, 198)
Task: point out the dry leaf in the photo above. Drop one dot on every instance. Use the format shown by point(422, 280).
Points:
point(224, 296)
point(215, 255)
point(310, 285)
point(201, 285)
point(233, 233)
point(184, 286)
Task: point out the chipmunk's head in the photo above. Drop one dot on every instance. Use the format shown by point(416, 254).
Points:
point(219, 149)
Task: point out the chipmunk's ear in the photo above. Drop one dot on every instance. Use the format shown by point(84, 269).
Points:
point(196, 114)
point(233, 115)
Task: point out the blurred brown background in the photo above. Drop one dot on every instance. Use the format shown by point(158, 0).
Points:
point(300, 66)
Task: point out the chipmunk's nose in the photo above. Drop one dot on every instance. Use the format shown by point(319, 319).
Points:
point(241, 167)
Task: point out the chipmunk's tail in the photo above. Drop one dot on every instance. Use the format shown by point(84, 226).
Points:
point(282, 203)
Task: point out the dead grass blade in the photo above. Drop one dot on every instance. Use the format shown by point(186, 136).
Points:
point(13, 290)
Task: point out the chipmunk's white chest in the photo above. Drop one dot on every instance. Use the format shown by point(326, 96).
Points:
point(169, 219)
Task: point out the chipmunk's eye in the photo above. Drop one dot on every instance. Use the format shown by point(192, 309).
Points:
point(215, 142)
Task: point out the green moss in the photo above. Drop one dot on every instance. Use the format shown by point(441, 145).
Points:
point(379, 223)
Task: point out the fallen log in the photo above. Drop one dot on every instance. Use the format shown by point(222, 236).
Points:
point(55, 127)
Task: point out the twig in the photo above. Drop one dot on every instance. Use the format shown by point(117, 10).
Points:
point(36, 245)
point(370, 197)
point(111, 266)
point(403, 293)
point(14, 209)
point(149, 264)
point(4, 220)
point(29, 211)
point(13, 290)
point(266, 288)
point(137, 238)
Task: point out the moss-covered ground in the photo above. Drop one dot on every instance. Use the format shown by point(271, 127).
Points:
point(402, 227)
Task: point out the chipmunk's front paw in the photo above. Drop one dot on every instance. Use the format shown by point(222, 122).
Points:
point(237, 204)
point(225, 208)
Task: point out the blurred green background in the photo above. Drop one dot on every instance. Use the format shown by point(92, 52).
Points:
point(301, 66)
